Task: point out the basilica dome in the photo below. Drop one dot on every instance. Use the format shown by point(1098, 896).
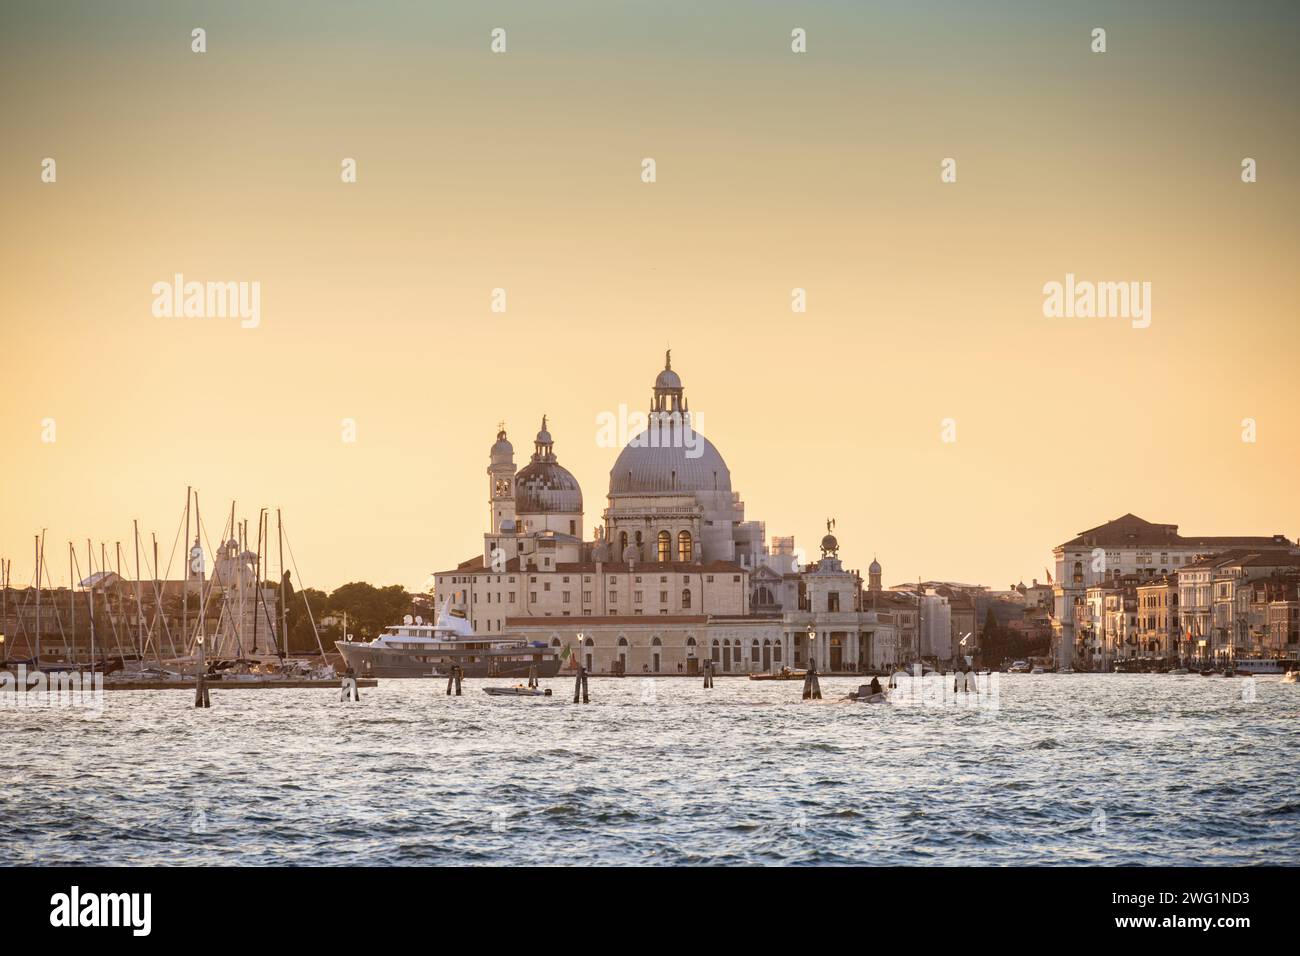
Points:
point(544, 486)
point(642, 469)
point(664, 459)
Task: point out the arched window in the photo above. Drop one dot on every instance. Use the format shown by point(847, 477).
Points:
point(622, 642)
point(655, 642)
point(686, 597)
point(622, 544)
point(665, 546)
point(684, 546)
point(590, 642)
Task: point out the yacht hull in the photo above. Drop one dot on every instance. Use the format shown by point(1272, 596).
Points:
point(388, 663)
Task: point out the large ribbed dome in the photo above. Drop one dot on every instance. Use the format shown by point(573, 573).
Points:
point(544, 486)
point(663, 459)
point(641, 469)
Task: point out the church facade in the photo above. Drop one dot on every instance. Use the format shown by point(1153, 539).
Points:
point(674, 575)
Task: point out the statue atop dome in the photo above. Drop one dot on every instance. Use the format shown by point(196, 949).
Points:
point(830, 545)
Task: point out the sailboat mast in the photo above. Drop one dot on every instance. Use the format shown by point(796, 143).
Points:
point(139, 606)
point(38, 599)
point(198, 534)
point(72, 603)
point(257, 576)
point(185, 577)
point(117, 546)
point(90, 602)
point(284, 610)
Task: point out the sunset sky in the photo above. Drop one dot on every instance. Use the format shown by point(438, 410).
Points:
point(775, 170)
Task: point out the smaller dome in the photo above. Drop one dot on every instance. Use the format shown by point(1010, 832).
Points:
point(544, 486)
point(547, 487)
point(874, 568)
point(830, 544)
point(668, 379)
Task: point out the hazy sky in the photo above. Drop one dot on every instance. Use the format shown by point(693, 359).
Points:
point(775, 170)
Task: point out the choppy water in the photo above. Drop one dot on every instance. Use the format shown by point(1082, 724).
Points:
point(1103, 769)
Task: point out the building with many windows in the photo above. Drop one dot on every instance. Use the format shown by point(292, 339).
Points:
point(1131, 546)
point(674, 573)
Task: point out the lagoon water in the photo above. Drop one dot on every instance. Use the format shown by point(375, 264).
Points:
point(1097, 769)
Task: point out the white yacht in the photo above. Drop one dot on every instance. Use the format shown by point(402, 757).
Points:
point(416, 649)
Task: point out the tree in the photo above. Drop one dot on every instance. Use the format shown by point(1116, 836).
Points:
point(370, 609)
point(302, 639)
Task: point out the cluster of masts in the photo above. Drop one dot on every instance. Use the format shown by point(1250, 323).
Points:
point(248, 625)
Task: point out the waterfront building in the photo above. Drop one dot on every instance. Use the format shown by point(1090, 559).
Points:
point(1275, 616)
point(1219, 588)
point(1157, 609)
point(1130, 545)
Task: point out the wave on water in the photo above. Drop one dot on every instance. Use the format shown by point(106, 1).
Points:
point(1122, 769)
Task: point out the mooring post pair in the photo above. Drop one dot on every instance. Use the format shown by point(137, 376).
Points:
point(454, 677)
point(812, 688)
point(580, 686)
point(708, 672)
point(532, 676)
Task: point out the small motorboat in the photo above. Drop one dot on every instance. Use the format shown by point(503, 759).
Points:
point(1179, 671)
point(1019, 667)
point(783, 674)
point(1038, 669)
point(517, 691)
point(864, 695)
point(1291, 677)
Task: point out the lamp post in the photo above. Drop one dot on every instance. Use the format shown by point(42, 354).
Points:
point(812, 644)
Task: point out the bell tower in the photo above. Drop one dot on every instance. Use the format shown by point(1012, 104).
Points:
point(501, 484)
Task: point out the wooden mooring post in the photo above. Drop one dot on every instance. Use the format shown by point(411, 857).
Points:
point(201, 698)
point(812, 688)
point(580, 686)
point(708, 673)
point(454, 677)
point(532, 676)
